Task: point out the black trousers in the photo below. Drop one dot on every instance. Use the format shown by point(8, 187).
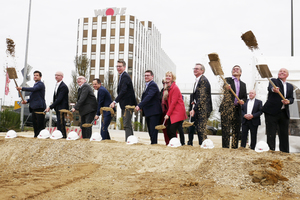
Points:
point(153, 121)
point(61, 123)
point(191, 132)
point(38, 121)
point(88, 118)
point(235, 124)
point(253, 131)
point(281, 121)
point(172, 128)
point(181, 134)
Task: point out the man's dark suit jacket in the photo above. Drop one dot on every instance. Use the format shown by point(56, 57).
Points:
point(273, 105)
point(104, 100)
point(256, 112)
point(86, 102)
point(202, 96)
point(37, 96)
point(61, 98)
point(125, 92)
point(150, 103)
point(242, 94)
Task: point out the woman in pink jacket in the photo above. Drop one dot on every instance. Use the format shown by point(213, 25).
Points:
point(176, 112)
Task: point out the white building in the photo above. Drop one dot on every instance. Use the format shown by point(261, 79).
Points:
point(110, 36)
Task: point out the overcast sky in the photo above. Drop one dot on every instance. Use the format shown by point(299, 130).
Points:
point(190, 30)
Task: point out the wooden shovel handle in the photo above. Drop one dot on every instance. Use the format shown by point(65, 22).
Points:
point(276, 87)
point(19, 90)
point(230, 89)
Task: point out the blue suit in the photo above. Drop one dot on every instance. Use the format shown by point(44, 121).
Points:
point(151, 108)
point(37, 104)
point(251, 124)
point(104, 100)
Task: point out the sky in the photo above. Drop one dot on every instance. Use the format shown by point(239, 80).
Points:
point(190, 30)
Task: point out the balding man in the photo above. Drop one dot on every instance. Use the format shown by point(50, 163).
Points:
point(86, 105)
point(277, 112)
point(251, 112)
point(60, 101)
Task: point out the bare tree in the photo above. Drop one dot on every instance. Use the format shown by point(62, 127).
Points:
point(81, 69)
point(110, 83)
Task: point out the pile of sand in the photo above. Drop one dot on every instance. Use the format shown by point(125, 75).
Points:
point(61, 169)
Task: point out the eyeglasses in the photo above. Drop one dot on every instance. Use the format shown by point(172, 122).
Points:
point(196, 68)
point(119, 66)
point(146, 75)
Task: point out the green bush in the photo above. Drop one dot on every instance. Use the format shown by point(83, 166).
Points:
point(120, 124)
point(137, 126)
point(9, 120)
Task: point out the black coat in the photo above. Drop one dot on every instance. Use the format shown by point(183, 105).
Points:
point(125, 92)
point(273, 104)
point(86, 102)
point(61, 98)
point(202, 97)
point(256, 112)
point(242, 94)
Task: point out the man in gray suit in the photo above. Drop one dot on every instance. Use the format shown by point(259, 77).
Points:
point(86, 105)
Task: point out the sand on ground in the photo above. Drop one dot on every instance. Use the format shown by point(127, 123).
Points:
point(32, 168)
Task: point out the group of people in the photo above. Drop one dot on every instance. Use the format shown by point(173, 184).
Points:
point(246, 112)
point(167, 106)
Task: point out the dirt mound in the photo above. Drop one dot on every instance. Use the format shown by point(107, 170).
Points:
point(81, 169)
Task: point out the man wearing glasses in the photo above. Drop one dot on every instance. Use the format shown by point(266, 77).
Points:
point(125, 97)
point(201, 104)
point(150, 105)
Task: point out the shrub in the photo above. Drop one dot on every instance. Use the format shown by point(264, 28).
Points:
point(9, 120)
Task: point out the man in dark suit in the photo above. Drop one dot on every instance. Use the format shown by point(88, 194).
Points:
point(125, 97)
point(277, 112)
point(201, 104)
point(103, 99)
point(36, 102)
point(230, 108)
point(86, 105)
point(251, 112)
point(150, 105)
point(60, 101)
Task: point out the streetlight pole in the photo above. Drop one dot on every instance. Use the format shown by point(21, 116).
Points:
point(292, 29)
point(25, 65)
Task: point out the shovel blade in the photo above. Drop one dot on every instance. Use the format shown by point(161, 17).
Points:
point(264, 71)
point(216, 67)
point(12, 73)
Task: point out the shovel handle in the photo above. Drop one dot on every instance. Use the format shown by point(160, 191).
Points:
point(276, 87)
point(230, 89)
point(19, 90)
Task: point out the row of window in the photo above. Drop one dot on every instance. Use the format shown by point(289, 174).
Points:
point(113, 18)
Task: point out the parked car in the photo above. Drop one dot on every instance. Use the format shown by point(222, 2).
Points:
point(28, 117)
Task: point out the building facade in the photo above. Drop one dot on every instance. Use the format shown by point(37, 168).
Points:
point(110, 36)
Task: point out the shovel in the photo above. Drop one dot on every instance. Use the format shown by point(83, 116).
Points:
point(189, 123)
point(42, 113)
point(265, 73)
point(161, 127)
point(87, 125)
point(13, 75)
point(217, 70)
